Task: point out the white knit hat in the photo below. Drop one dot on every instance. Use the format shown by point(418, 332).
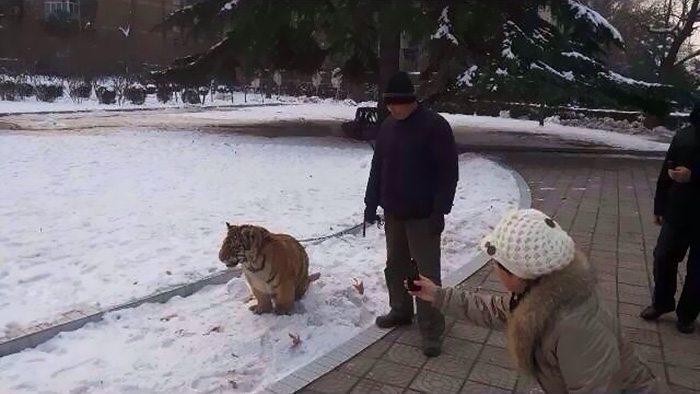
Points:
point(529, 244)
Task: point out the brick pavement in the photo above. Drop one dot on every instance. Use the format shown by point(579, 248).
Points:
point(606, 205)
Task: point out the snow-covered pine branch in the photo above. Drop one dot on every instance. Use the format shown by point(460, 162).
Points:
point(444, 25)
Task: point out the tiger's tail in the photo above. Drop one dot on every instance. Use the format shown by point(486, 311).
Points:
point(314, 277)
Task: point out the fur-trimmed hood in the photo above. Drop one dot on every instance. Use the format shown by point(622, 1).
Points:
point(560, 332)
point(548, 299)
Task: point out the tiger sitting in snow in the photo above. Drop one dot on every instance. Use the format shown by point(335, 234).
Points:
point(275, 266)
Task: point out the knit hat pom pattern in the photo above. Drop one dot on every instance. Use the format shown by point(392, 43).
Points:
point(529, 244)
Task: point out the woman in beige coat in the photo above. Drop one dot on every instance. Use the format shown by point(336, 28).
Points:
point(559, 331)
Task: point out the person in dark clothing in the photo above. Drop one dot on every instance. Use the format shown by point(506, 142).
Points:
point(413, 178)
point(677, 210)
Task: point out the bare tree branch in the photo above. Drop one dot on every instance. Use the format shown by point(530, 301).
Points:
point(691, 56)
point(668, 13)
point(687, 25)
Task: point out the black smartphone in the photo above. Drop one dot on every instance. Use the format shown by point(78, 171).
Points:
point(671, 164)
point(413, 275)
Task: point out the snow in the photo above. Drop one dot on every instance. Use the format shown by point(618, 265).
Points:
point(568, 75)
point(229, 6)
point(91, 214)
point(443, 30)
point(579, 56)
point(507, 44)
point(615, 77)
point(613, 139)
point(595, 18)
point(65, 104)
point(102, 206)
point(466, 78)
point(465, 123)
point(508, 49)
point(252, 115)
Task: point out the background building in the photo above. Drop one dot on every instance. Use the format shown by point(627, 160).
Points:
point(90, 37)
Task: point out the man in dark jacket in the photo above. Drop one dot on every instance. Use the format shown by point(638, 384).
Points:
point(413, 177)
point(677, 210)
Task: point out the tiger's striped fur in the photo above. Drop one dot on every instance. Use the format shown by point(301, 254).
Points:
point(275, 266)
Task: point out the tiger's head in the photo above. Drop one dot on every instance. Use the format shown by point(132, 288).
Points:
point(241, 244)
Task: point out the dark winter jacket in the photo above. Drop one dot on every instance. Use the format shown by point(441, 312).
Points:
point(414, 169)
point(679, 203)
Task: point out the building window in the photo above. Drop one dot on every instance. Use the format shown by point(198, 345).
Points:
point(63, 8)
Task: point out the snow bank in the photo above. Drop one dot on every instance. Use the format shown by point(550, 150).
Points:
point(613, 139)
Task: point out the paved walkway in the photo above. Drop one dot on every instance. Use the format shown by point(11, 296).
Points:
point(606, 204)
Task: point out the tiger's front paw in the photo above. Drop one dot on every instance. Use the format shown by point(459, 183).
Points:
point(283, 311)
point(259, 309)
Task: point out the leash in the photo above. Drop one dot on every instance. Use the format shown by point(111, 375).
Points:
point(317, 240)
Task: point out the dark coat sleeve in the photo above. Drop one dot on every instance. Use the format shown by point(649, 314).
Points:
point(374, 182)
point(664, 183)
point(444, 152)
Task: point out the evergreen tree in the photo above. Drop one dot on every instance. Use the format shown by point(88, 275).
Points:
point(526, 49)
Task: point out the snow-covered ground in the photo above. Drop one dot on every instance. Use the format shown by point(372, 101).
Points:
point(101, 218)
point(315, 109)
point(111, 216)
point(610, 138)
point(465, 123)
point(66, 104)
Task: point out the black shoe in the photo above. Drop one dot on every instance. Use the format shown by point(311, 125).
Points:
point(432, 351)
point(390, 320)
point(432, 348)
point(685, 327)
point(651, 313)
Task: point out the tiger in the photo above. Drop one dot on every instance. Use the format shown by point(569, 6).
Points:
point(275, 266)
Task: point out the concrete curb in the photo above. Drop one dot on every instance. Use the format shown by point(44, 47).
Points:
point(558, 150)
point(307, 374)
point(72, 321)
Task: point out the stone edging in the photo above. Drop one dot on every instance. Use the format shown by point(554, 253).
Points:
point(336, 357)
point(561, 150)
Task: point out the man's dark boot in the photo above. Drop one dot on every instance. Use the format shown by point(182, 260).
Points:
point(431, 348)
point(650, 313)
point(391, 320)
point(685, 327)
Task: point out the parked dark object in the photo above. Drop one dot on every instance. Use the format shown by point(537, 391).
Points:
point(106, 94)
point(190, 96)
point(136, 94)
point(164, 93)
point(364, 127)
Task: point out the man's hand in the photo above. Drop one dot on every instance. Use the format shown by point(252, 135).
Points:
point(371, 216)
point(658, 219)
point(680, 174)
point(427, 289)
point(437, 223)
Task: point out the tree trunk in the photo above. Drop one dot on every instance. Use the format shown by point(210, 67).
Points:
point(669, 62)
point(389, 52)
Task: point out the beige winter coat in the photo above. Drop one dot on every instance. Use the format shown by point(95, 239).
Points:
point(561, 334)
